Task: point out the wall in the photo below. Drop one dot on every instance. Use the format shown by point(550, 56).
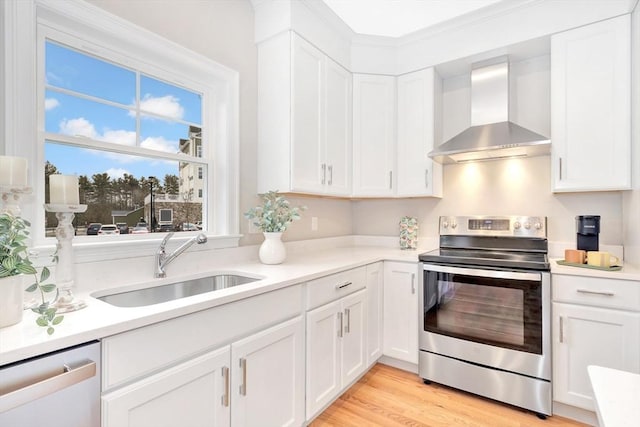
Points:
point(223, 31)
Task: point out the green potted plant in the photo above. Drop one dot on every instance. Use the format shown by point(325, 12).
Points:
point(272, 218)
point(15, 268)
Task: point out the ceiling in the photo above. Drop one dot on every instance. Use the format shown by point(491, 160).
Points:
point(396, 18)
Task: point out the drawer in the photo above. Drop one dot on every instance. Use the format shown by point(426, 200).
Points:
point(143, 351)
point(329, 288)
point(597, 292)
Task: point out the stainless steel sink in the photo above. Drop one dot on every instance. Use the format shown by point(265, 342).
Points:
point(172, 291)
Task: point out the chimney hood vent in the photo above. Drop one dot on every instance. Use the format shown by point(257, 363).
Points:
point(491, 135)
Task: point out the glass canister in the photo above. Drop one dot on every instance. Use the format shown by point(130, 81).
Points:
point(408, 232)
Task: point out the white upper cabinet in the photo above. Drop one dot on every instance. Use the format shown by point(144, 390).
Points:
point(374, 141)
point(591, 107)
point(417, 174)
point(304, 119)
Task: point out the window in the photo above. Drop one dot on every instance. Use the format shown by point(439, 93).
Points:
point(130, 113)
point(99, 117)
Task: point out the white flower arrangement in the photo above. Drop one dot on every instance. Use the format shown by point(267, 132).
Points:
point(275, 214)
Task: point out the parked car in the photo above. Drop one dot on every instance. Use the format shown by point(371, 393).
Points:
point(199, 225)
point(108, 229)
point(123, 227)
point(188, 226)
point(140, 228)
point(93, 228)
point(165, 228)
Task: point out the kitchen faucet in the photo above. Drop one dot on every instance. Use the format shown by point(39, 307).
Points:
point(162, 259)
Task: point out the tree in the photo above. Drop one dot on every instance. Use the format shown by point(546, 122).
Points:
point(171, 184)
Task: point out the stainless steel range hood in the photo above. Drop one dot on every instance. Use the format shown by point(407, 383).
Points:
point(491, 135)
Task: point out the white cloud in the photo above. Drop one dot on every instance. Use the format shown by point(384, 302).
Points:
point(78, 127)
point(160, 144)
point(82, 127)
point(122, 137)
point(51, 103)
point(168, 106)
point(116, 173)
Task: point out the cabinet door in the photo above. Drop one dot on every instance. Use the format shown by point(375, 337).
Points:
point(590, 107)
point(586, 336)
point(267, 377)
point(354, 336)
point(308, 168)
point(324, 330)
point(375, 279)
point(418, 175)
point(194, 393)
point(338, 134)
point(374, 148)
point(401, 311)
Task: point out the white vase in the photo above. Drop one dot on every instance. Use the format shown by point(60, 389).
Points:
point(272, 250)
point(11, 294)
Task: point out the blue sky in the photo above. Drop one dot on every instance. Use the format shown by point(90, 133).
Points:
point(72, 115)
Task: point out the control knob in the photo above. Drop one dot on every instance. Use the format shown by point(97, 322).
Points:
point(527, 225)
point(516, 225)
point(454, 225)
point(445, 224)
point(538, 226)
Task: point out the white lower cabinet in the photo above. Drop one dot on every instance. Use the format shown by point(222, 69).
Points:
point(375, 282)
point(595, 322)
point(193, 393)
point(258, 380)
point(401, 311)
point(267, 377)
point(335, 349)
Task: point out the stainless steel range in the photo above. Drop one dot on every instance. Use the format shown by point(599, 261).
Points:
point(485, 309)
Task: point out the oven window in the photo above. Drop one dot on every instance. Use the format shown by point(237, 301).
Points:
point(499, 312)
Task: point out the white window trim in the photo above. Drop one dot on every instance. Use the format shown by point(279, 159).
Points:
point(24, 128)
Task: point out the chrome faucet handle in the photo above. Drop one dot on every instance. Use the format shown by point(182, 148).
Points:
point(163, 244)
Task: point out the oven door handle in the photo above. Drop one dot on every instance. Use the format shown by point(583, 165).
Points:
point(495, 274)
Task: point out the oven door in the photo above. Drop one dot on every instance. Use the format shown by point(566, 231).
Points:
point(496, 318)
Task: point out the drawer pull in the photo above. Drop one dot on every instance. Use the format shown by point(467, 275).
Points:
point(413, 283)
point(341, 325)
point(561, 329)
point(343, 285)
point(605, 293)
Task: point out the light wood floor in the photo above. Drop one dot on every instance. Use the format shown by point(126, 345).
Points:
point(386, 396)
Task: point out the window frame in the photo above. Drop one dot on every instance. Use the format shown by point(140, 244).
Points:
point(88, 28)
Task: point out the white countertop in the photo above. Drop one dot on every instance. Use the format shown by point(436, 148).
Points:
point(628, 272)
point(99, 319)
point(617, 395)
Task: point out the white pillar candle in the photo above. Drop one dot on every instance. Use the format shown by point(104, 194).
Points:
point(13, 171)
point(63, 190)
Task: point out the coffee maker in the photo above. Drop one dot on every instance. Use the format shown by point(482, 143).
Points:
point(588, 229)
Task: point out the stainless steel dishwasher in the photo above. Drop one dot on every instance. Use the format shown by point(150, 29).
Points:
point(59, 389)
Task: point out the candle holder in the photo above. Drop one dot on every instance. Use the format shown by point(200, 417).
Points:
point(11, 198)
point(65, 301)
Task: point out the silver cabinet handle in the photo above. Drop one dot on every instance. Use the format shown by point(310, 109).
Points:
point(225, 396)
point(343, 285)
point(330, 175)
point(324, 172)
point(390, 180)
point(426, 178)
point(243, 385)
point(586, 291)
point(413, 283)
point(347, 313)
point(341, 324)
point(561, 329)
point(71, 375)
point(560, 167)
